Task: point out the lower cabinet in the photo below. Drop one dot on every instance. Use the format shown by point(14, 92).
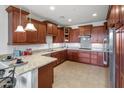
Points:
point(45, 76)
point(72, 55)
point(60, 55)
point(84, 56)
point(88, 57)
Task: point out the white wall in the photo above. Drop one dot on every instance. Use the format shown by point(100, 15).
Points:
point(4, 48)
point(93, 23)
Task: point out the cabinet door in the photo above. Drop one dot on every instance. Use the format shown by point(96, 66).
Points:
point(18, 37)
point(117, 64)
point(63, 55)
point(54, 30)
point(85, 30)
point(117, 22)
point(49, 28)
point(122, 58)
point(94, 58)
point(72, 55)
point(60, 36)
point(74, 36)
point(101, 34)
point(32, 36)
point(94, 35)
point(98, 34)
point(84, 56)
point(42, 33)
point(56, 55)
point(122, 14)
point(45, 76)
point(100, 59)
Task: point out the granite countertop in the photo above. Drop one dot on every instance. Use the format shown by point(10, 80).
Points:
point(34, 61)
point(38, 59)
point(92, 50)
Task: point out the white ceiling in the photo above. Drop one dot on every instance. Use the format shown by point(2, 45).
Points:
point(79, 14)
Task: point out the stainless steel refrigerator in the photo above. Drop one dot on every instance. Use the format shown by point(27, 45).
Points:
point(112, 57)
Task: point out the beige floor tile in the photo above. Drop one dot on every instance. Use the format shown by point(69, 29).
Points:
point(78, 75)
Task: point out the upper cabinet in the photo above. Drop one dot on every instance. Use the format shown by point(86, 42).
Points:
point(122, 14)
point(54, 30)
point(32, 36)
point(28, 37)
point(51, 28)
point(13, 22)
point(74, 36)
point(42, 33)
point(39, 36)
point(98, 34)
point(60, 36)
point(85, 30)
point(115, 16)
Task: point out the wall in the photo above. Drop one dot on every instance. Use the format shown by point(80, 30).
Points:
point(4, 48)
point(93, 23)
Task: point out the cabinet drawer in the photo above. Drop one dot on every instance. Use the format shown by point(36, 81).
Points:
point(94, 61)
point(82, 54)
point(94, 56)
point(85, 60)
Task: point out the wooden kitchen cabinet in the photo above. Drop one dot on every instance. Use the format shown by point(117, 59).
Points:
point(51, 28)
point(122, 57)
point(85, 30)
point(54, 30)
point(117, 63)
point(63, 55)
point(56, 55)
point(114, 17)
point(32, 36)
point(60, 36)
point(74, 36)
point(60, 55)
point(28, 37)
point(94, 58)
point(72, 55)
point(45, 76)
point(98, 34)
point(42, 33)
point(13, 22)
point(122, 14)
point(100, 59)
point(84, 56)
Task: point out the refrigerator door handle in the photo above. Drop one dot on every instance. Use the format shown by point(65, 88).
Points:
point(104, 48)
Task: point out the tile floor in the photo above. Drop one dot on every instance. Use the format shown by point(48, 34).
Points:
point(78, 75)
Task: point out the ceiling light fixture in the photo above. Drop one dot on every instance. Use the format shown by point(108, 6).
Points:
point(94, 14)
point(69, 20)
point(30, 26)
point(19, 27)
point(52, 8)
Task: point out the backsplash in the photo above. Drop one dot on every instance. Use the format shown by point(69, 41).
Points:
point(9, 49)
point(77, 45)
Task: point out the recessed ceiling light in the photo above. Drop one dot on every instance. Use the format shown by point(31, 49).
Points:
point(69, 20)
point(52, 8)
point(94, 14)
